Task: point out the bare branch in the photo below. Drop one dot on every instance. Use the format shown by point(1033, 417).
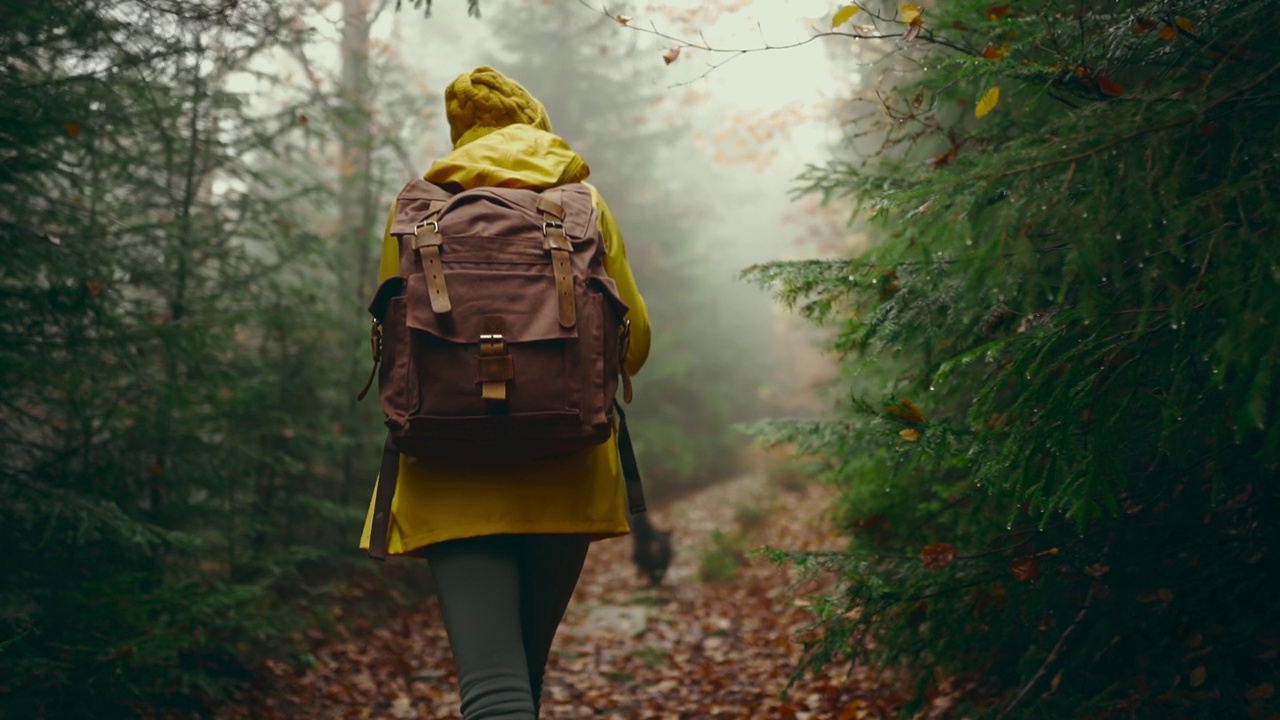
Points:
point(734, 52)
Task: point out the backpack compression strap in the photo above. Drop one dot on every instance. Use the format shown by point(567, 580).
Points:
point(554, 239)
point(426, 242)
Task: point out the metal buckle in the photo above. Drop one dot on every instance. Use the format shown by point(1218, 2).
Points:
point(435, 226)
point(375, 339)
point(495, 339)
point(552, 224)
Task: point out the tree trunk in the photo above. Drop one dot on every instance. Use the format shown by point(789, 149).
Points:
point(355, 196)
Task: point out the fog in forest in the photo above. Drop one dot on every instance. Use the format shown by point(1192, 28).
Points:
point(750, 126)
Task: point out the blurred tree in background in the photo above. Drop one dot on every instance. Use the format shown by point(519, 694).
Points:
point(713, 343)
point(1060, 463)
point(177, 324)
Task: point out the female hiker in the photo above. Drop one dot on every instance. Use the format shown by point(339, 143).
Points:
point(505, 541)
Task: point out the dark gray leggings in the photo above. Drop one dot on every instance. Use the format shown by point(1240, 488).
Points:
point(502, 597)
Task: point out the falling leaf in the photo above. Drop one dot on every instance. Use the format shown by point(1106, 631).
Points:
point(94, 287)
point(287, 433)
point(303, 120)
point(987, 102)
point(842, 15)
point(1025, 569)
point(1109, 86)
point(1184, 23)
point(71, 128)
point(938, 555)
point(1198, 675)
point(623, 19)
point(910, 13)
point(1057, 680)
point(991, 52)
point(1167, 32)
point(913, 31)
point(53, 239)
point(154, 470)
point(909, 434)
point(995, 12)
point(1258, 693)
point(670, 55)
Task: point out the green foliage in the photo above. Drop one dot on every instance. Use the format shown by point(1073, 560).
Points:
point(171, 360)
point(709, 353)
point(1077, 292)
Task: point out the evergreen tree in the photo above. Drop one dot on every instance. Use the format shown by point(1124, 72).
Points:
point(174, 331)
point(1060, 466)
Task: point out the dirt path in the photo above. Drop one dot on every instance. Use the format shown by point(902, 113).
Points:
point(693, 649)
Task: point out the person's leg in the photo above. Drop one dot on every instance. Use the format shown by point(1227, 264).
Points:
point(549, 570)
point(478, 582)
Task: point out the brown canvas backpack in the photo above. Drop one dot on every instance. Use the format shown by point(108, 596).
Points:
point(501, 337)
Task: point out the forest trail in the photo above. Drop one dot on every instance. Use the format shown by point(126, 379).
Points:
point(692, 649)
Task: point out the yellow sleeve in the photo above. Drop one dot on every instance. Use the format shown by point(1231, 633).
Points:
point(617, 267)
point(389, 266)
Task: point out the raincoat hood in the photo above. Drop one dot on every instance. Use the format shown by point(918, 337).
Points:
point(515, 156)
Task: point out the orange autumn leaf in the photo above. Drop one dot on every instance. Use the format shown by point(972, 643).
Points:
point(1109, 86)
point(991, 52)
point(995, 12)
point(1142, 26)
point(1184, 23)
point(94, 287)
point(71, 128)
point(670, 55)
point(914, 30)
point(623, 19)
point(1258, 693)
point(1167, 32)
point(910, 13)
point(909, 434)
point(1025, 569)
point(906, 411)
point(938, 555)
point(914, 414)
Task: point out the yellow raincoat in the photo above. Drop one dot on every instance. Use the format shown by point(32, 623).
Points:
point(579, 492)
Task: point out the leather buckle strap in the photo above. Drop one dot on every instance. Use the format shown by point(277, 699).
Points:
point(494, 366)
point(427, 242)
point(388, 473)
point(555, 241)
point(624, 346)
point(375, 341)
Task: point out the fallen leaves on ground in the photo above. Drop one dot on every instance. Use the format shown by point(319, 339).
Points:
point(691, 649)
